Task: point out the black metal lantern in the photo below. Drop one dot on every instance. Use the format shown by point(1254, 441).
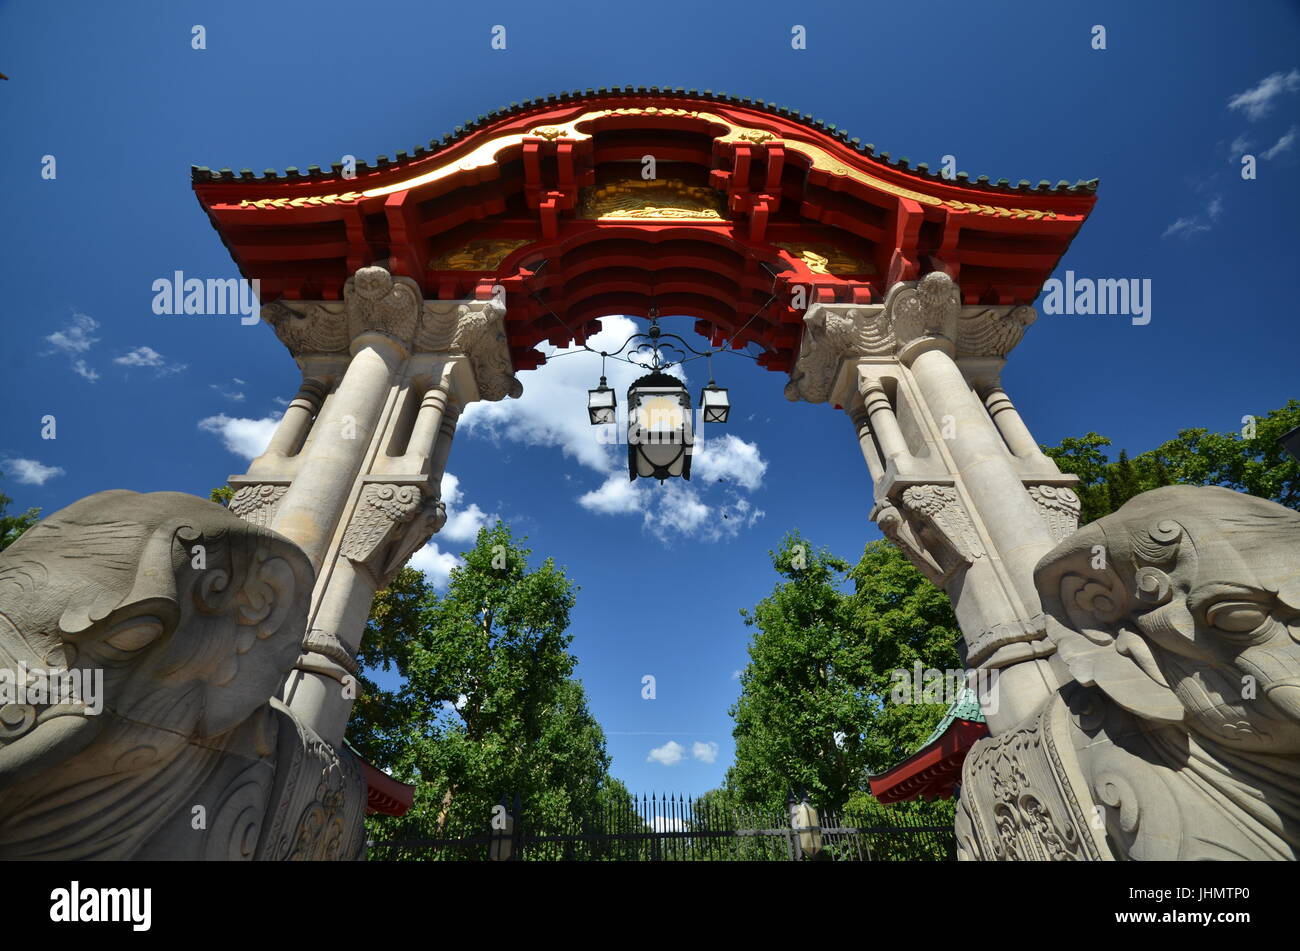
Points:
point(659, 425)
point(659, 432)
point(715, 406)
point(602, 404)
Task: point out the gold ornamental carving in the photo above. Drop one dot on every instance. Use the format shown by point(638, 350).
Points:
point(1031, 213)
point(660, 198)
point(828, 259)
point(484, 254)
point(306, 201)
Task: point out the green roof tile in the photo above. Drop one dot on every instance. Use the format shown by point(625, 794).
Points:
point(965, 707)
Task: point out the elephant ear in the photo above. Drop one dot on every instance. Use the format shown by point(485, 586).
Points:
point(241, 596)
point(1087, 603)
point(246, 618)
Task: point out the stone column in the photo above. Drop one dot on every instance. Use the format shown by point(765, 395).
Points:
point(292, 431)
point(862, 425)
point(883, 421)
point(428, 425)
point(446, 433)
point(357, 508)
point(1007, 419)
point(959, 483)
point(311, 507)
point(1018, 536)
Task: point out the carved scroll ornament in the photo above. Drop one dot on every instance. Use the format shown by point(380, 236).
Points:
point(912, 310)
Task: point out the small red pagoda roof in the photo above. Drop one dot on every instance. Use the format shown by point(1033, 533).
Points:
point(933, 771)
point(554, 201)
point(384, 793)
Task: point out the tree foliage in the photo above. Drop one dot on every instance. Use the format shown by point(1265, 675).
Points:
point(488, 709)
point(12, 526)
point(1248, 460)
point(813, 713)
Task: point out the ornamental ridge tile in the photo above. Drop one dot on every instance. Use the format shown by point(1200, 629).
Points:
point(201, 173)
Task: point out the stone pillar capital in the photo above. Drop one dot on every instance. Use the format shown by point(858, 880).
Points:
point(379, 306)
point(916, 317)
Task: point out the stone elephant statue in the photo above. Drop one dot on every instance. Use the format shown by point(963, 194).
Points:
point(1176, 623)
point(189, 619)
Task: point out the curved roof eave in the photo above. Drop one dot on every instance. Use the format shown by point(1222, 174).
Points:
point(920, 172)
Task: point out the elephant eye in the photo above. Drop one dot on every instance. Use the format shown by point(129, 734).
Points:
point(135, 634)
point(1237, 617)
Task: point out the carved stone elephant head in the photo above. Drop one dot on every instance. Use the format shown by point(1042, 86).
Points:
point(193, 616)
point(1183, 607)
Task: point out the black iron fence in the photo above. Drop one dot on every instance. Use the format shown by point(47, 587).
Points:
point(676, 829)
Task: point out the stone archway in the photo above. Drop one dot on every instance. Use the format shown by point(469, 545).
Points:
point(406, 288)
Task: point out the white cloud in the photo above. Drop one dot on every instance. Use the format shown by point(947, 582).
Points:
point(704, 752)
point(235, 396)
point(463, 523)
point(449, 489)
point(1185, 227)
point(141, 357)
point(244, 437)
point(677, 509)
point(149, 357)
point(1239, 147)
point(1196, 224)
point(670, 754)
point(729, 458)
point(617, 496)
point(76, 337)
point(1257, 101)
point(80, 367)
point(31, 472)
point(1282, 145)
point(669, 824)
point(435, 563)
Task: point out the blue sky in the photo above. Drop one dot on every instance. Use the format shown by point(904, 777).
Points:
point(118, 96)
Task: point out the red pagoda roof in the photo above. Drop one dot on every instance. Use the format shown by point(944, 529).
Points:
point(933, 771)
point(384, 793)
point(742, 202)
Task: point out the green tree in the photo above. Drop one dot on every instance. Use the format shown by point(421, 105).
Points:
point(488, 708)
point(814, 711)
point(11, 526)
point(1248, 460)
point(903, 619)
point(1084, 456)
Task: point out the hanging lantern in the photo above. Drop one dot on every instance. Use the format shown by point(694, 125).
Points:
point(602, 404)
point(659, 434)
point(714, 403)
